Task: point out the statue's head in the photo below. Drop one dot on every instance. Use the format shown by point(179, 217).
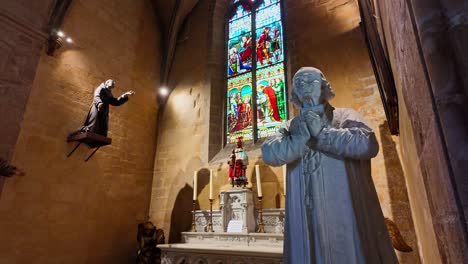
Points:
point(239, 142)
point(310, 88)
point(233, 51)
point(110, 84)
point(148, 227)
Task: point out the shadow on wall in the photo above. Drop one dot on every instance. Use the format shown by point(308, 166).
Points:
point(399, 201)
point(2, 183)
point(181, 216)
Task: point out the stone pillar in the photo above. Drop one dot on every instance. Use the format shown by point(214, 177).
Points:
point(456, 15)
point(22, 37)
point(440, 25)
point(429, 83)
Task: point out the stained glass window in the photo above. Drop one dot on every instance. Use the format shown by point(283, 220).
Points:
point(269, 33)
point(266, 76)
point(271, 103)
point(240, 42)
point(239, 104)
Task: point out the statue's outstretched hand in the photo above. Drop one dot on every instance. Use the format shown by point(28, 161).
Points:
point(313, 121)
point(129, 93)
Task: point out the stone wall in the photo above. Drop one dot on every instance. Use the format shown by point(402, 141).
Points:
point(183, 135)
point(432, 133)
point(324, 34)
point(66, 210)
point(23, 34)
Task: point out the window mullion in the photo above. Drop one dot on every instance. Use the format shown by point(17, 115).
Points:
point(254, 73)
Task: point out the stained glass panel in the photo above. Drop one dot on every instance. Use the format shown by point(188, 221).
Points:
point(271, 99)
point(265, 3)
point(235, 1)
point(239, 26)
point(269, 32)
point(239, 53)
point(269, 44)
point(268, 15)
point(241, 11)
point(239, 108)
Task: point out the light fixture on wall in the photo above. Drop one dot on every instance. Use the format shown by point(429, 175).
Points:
point(163, 91)
point(55, 41)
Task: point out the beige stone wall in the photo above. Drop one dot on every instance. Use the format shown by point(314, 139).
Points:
point(324, 34)
point(413, 51)
point(180, 148)
point(66, 210)
point(22, 36)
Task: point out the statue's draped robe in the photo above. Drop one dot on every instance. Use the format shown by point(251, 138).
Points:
point(332, 210)
point(98, 115)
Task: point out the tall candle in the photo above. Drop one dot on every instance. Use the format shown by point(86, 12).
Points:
point(285, 171)
point(211, 184)
point(195, 185)
point(259, 183)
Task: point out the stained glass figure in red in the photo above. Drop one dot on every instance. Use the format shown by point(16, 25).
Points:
point(267, 103)
point(263, 44)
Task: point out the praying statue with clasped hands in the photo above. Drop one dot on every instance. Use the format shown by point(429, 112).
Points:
point(333, 214)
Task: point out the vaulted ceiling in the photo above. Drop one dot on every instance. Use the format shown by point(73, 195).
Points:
point(171, 15)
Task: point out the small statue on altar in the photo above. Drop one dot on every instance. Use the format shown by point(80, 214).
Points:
point(148, 237)
point(237, 165)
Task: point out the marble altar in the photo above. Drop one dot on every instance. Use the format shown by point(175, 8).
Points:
point(220, 246)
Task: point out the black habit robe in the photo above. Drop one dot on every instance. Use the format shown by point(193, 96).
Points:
point(98, 115)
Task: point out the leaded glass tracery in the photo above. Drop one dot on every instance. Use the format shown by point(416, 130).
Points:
point(259, 114)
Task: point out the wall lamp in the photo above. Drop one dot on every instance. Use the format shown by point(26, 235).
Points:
point(56, 40)
point(163, 91)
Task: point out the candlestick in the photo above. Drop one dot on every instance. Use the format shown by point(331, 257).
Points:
point(194, 228)
point(195, 178)
point(259, 183)
point(261, 225)
point(285, 171)
point(211, 185)
point(210, 223)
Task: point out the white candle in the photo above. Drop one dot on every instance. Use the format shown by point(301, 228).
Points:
point(285, 170)
point(211, 184)
point(259, 183)
point(195, 185)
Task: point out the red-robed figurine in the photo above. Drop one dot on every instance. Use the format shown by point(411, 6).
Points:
point(263, 43)
point(237, 165)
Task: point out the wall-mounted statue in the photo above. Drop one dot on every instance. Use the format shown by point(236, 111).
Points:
point(238, 164)
point(98, 115)
point(333, 214)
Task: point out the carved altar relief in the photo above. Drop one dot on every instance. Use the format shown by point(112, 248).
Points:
point(237, 204)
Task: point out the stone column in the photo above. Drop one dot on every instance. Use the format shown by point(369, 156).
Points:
point(441, 27)
point(22, 37)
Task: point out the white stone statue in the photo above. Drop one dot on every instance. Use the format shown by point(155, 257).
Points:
point(332, 210)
